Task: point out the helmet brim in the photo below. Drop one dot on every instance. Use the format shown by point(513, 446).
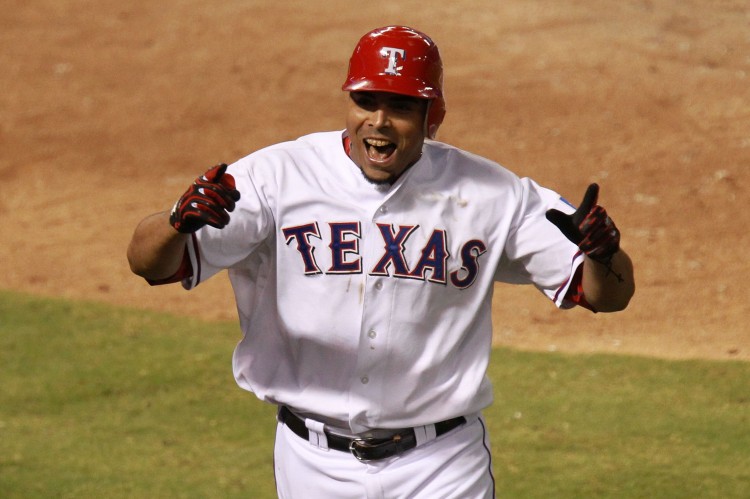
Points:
point(413, 87)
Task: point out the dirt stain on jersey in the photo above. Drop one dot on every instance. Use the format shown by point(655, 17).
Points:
point(438, 196)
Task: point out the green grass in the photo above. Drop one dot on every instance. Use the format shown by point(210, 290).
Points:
point(610, 426)
point(102, 402)
point(97, 401)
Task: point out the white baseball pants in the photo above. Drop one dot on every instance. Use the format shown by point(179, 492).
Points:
point(456, 465)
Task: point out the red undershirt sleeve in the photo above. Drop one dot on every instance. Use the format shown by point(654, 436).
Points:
point(575, 290)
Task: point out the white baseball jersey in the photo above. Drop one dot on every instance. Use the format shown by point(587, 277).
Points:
point(370, 306)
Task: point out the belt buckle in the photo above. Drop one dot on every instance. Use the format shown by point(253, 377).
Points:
point(387, 447)
point(357, 445)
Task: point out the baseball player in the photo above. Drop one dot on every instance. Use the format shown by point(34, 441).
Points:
point(363, 262)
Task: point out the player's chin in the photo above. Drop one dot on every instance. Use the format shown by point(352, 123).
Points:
point(391, 165)
point(378, 176)
point(383, 169)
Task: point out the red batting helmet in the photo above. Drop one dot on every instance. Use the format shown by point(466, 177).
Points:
point(401, 60)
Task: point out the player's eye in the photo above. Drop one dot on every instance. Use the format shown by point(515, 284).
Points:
point(364, 100)
point(406, 105)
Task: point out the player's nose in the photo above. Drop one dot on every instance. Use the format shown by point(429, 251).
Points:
point(379, 117)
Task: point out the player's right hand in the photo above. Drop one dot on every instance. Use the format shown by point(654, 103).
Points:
point(207, 201)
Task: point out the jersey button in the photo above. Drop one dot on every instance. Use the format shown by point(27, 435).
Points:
point(364, 380)
point(372, 334)
point(379, 285)
point(383, 209)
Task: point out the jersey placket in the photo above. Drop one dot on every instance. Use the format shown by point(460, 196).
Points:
point(371, 377)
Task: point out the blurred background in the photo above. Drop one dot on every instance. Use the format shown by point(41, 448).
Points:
point(109, 109)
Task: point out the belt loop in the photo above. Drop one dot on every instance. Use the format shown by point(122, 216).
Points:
point(425, 433)
point(316, 433)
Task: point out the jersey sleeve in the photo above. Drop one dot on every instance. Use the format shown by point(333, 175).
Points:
point(211, 250)
point(536, 252)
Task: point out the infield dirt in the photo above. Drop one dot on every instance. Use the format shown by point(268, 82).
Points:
point(109, 110)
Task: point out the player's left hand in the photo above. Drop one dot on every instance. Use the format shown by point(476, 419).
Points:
point(589, 227)
point(207, 201)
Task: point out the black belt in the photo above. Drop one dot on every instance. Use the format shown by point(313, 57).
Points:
point(367, 449)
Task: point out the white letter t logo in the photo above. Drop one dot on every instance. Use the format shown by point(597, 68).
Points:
point(393, 55)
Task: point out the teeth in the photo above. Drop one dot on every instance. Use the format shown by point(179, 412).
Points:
point(377, 142)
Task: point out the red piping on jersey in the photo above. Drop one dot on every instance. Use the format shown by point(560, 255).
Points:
point(571, 278)
point(197, 251)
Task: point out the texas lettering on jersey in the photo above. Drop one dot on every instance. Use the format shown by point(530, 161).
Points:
point(345, 255)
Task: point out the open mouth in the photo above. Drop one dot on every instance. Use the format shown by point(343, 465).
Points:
point(379, 150)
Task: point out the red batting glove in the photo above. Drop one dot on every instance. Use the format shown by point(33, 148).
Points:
point(207, 201)
point(589, 227)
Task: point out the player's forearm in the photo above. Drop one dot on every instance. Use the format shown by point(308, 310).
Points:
point(156, 248)
point(609, 288)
